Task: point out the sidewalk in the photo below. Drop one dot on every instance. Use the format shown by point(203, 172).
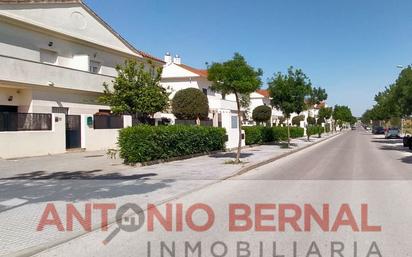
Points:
point(23, 197)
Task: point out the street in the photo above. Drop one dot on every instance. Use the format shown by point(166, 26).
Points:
point(356, 155)
point(354, 168)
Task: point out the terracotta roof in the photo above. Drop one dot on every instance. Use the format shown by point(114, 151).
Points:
point(149, 56)
point(201, 73)
point(263, 92)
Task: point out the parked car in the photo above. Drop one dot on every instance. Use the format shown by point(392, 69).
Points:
point(378, 130)
point(392, 133)
point(407, 141)
point(353, 128)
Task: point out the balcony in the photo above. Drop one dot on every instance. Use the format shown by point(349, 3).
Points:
point(218, 103)
point(35, 73)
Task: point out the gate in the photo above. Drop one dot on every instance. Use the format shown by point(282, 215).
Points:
point(73, 134)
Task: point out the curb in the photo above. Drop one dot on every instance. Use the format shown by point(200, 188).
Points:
point(44, 247)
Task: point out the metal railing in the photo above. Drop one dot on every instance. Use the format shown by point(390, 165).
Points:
point(108, 122)
point(13, 121)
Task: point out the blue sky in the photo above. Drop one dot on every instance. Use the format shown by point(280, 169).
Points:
point(349, 47)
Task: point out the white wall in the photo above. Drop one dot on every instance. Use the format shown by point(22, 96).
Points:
point(69, 19)
point(233, 133)
point(15, 144)
point(100, 139)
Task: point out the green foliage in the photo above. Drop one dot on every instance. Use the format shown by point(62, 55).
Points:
point(296, 132)
point(190, 104)
point(297, 119)
point(136, 90)
point(146, 143)
point(261, 134)
point(262, 113)
point(342, 114)
point(317, 96)
point(288, 91)
point(325, 113)
point(314, 130)
point(236, 77)
point(253, 135)
point(311, 120)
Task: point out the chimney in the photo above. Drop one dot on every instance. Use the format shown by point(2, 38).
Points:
point(168, 58)
point(177, 59)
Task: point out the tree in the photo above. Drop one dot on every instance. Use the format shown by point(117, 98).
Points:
point(403, 91)
point(297, 119)
point(342, 114)
point(311, 121)
point(190, 104)
point(262, 113)
point(136, 90)
point(288, 92)
point(325, 113)
point(317, 96)
point(236, 77)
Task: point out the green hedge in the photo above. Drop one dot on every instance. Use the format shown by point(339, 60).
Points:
point(146, 143)
point(314, 130)
point(260, 134)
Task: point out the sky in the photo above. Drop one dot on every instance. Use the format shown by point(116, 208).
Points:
point(349, 47)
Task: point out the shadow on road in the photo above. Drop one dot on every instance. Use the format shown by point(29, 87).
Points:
point(41, 187)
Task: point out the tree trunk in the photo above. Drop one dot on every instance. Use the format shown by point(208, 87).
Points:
point(239, 146)
point(288, 132)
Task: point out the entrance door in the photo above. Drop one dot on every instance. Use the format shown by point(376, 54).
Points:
point(73, 131)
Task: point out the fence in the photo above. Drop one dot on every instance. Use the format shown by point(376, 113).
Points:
point(108, 122)
point(207, 123)
point(13, 121)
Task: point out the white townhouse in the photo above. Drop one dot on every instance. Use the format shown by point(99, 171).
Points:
point(222, 109)
point(258, 98)
point(55, 56)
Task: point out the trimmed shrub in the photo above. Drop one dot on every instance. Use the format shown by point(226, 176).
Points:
point(297, 119)
point(190, 104)
point(280, 133)
point(253, 135)
point(314, 130)
point(311, 120)
point(260, 134)
point(145, 143)
point(297, 132)
point(262, 113)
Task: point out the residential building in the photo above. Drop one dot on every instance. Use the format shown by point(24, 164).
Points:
point(55, 56)
point(258, 98)
point(222, 109)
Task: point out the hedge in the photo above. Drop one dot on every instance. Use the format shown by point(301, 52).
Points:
point(314, 130)
point(260, 134)
point(145, 143)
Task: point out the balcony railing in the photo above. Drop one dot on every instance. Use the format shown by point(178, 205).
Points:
point(35, 73)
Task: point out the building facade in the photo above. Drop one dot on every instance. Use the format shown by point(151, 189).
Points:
point(55, 57)
point(222, 109)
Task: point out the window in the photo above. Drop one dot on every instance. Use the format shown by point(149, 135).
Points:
point(234, 122)
point(64, 110)
point(224, 96)
point(47, 56)
point(204, 91)
point(94, 67)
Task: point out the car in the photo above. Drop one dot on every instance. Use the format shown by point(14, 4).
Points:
point(392, 133)
point(378, 131)
point(353, 128)
point(407, 141)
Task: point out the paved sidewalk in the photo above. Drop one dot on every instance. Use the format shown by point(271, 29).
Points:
point(23, 196)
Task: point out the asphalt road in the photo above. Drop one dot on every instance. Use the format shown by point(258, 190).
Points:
point(355, 155)
point(353, 169)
